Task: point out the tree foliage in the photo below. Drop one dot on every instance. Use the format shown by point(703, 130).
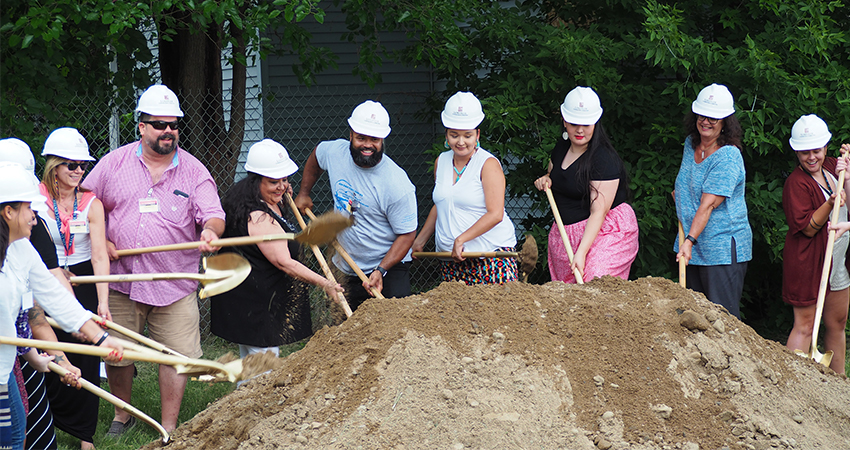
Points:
point(647, 60)
point(62, 50)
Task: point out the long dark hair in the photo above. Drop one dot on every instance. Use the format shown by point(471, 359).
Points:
point(243, 198)
point(599, 142)
point(4, 231)
point(730, 134)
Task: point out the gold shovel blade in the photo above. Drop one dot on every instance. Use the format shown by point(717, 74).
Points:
point(820, 358)
point(222, 273)
point(324, 228)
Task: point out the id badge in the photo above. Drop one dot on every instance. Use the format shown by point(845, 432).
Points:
point(79, 227)
point(148, 205)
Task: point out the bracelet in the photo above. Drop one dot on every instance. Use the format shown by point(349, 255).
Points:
point(692, 239)
point(102, 338)
point(815, 224)
point(382, 270)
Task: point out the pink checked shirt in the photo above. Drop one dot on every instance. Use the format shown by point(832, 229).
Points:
point(187, 198)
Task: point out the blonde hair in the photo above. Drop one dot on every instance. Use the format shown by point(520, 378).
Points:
point(48, 176)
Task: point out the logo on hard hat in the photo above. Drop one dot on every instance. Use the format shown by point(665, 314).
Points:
point(280, 155)
point(806, 132)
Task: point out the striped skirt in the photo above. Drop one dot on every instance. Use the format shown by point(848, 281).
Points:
point(40, 433)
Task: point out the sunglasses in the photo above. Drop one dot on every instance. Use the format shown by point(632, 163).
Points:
point(710, 120)
point(72, 166)
point(161, 125)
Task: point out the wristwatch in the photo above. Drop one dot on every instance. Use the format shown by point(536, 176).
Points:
point(382, 270)
point(692, 239)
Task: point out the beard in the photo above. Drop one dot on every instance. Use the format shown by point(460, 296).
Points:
point(366, 161)
point(164, 149)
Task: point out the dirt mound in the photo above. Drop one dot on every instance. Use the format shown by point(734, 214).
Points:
point(610, 364)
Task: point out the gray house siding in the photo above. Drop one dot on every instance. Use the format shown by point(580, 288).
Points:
point(300, 117)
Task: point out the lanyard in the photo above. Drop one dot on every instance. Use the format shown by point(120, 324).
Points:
point(59, 226)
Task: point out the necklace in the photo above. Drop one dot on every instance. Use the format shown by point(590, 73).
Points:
point(460, 172)
point(281, 219)
point(702, 153)
point(828, 188)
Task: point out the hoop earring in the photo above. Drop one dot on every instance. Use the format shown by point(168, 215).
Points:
point(446, 144)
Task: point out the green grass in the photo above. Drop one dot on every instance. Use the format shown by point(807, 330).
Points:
point(198, 397)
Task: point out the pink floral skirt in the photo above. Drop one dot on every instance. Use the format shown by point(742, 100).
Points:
point(612, 253)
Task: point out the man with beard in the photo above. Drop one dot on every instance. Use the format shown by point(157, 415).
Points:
point(372, 187)
point(155, 193)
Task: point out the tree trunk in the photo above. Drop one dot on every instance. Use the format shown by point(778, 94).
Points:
point(191, 66)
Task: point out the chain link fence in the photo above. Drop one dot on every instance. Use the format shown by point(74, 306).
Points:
point(299, 118)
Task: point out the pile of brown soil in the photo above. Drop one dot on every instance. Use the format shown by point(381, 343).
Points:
point(606, 365)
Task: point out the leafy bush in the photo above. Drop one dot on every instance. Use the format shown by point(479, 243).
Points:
point(647, 61)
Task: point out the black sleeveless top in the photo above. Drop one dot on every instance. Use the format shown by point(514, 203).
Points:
point(573, 204)
point(269, 308)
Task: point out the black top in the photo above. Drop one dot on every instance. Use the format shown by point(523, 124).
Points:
point(269, 308)
point(40, 239)
point(571, 198)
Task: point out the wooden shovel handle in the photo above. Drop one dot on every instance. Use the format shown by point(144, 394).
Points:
point(827, 263)
point(89, 386)
point(89, 279)
point(104, 323)
point(83, 349)
point(563, 232)
point(466, 254)
point(682, 263)
point(226, 242)
point(319, 256)
point(348, 259)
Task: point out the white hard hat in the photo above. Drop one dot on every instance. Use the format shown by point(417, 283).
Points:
point(462, 112)
point(270, 159)
point(19, 185)
point(714, 101)
point(158, 100)
point(808, 133)
point(67, 143)
point(17, 151)
point(370, 118)
point(581, 106)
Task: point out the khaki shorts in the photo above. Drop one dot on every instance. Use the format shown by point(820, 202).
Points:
point(176, 326)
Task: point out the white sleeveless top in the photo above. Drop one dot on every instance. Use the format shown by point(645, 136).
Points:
point(460, 205)
point(82, 240)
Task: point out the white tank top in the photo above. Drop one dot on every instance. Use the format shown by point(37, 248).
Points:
point(82, 240)
point(461, 204)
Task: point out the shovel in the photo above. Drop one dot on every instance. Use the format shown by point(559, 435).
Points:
point(231, 371)
point(319, 257)
point(527, 258)
point(682, 263)
point(152, 345)
point(347, 257)
point(89, 386)
point(320, 231)
point(221, 274)
point(466, 254)
point(563, 232)
point(813, 353)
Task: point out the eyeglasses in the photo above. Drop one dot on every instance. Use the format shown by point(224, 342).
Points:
point(710, 120)
point(72, 166)
point(161, 125)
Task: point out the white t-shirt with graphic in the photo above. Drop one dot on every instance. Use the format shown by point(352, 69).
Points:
point(383, 199)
